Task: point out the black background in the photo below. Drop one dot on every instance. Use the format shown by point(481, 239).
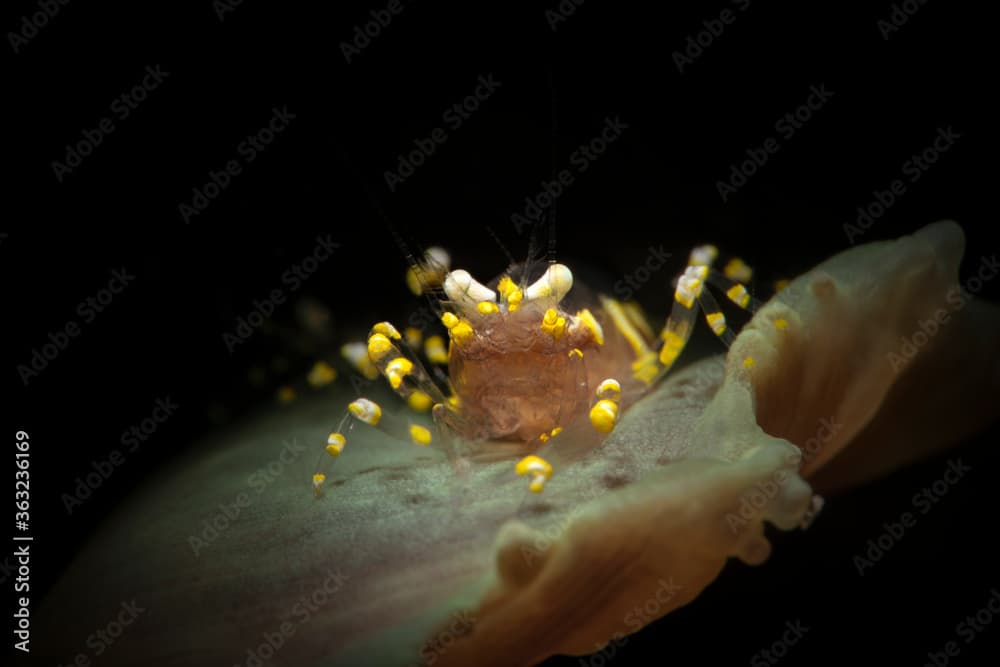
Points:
point(654, 186)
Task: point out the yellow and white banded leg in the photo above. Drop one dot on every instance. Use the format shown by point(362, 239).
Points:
point(605, 412)
point(737, 270)
point(735, 275)
point(537, 469)
point(734, 290)
point(691, 290)
point(677, 330)
point(407, 377)
point(369, 412)
point(715, 318)
point(399, 364)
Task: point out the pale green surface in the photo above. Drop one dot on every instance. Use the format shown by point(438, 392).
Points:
point(416, 542)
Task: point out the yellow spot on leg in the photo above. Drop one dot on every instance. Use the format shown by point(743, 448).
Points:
point(321, 375)
point(780, 323)
point(420, 435)
point(335, 444)
point(413, 337)
point(435, 350)
point(672, 346)
point(356, 354)
point(367, 411)
point(738, 270)
point(717, 321)
point(318, 480)
point(386, 329)
point(644, 368)
point(688, 289)
point(749, 362)
point(397, 369)
point(738, 295)
point(537, 468)
point(379, 346)
point(603, 415)
point(419, 401)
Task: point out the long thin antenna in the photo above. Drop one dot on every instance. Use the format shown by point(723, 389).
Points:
point(400, 242)
point(373, 201)
point(547, 223)
point(510, 258)
point(554, 130)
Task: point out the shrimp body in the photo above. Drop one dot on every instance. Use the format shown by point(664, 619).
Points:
point(516, 378)
point(527, 361)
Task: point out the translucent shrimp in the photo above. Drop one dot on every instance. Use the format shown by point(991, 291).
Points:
point(537, 370)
